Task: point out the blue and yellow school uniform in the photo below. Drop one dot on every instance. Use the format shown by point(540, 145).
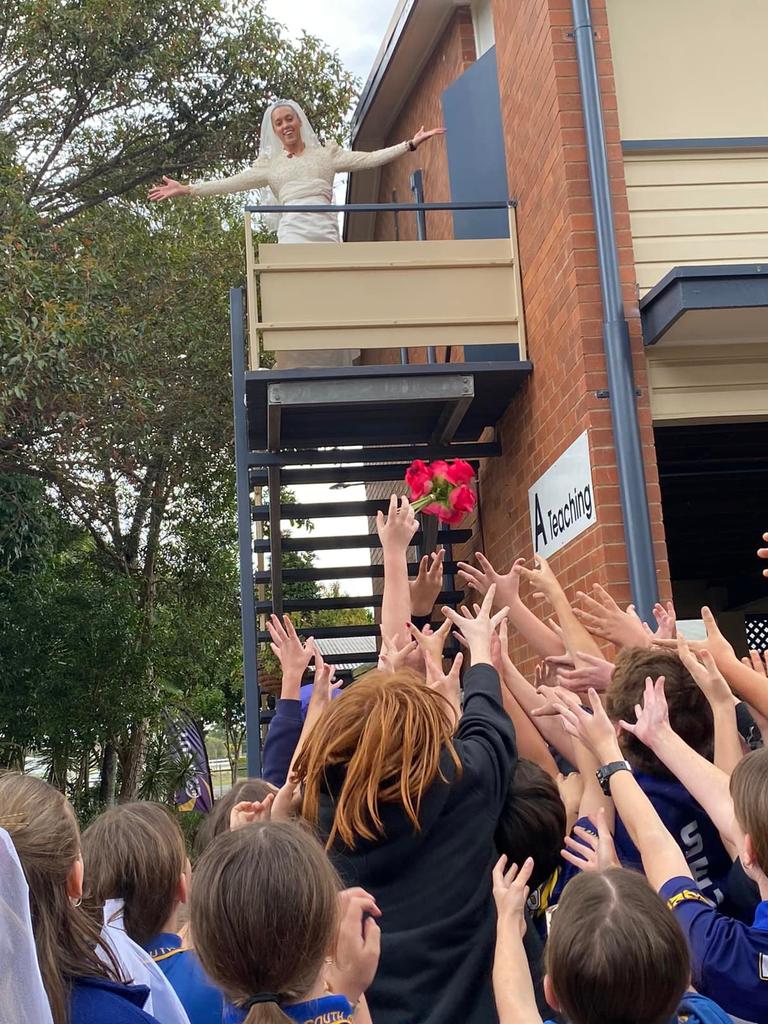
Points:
point(729, 958)
point(330, 1009)
point(695, 1009)
point(202, 1001)
point(97, 1000)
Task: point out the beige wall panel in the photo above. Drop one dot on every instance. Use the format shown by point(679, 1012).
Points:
point(690, 68)
point(704, 384)
point(696, 209)
point(388, 294)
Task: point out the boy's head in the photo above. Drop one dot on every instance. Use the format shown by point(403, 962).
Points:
point(532, 822)
point(749, 790)
point(689, 712)
point(615, 952)
point(136, 853)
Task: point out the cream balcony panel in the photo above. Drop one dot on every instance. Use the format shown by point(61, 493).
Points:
point(696, 209)
point(364, 295)
point(707, 383)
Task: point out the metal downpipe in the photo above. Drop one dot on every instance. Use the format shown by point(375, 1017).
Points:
point(618, 355)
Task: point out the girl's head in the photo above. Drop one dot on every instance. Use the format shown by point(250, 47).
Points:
point(136, 853)
point(265, 914)
point(44, 830)
point(388, 732)
point(749, 790)
point(218, 820)
point(287, 125)
point(615, 952)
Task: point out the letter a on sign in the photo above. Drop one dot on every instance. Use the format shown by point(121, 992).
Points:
point(564, 495)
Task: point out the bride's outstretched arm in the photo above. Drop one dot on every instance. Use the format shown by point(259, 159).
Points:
point(352, 160)
point(256, 176)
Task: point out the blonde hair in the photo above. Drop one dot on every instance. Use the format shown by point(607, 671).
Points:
point(264, 914)
point(749, 790)
point(136, 853)
point(389, 731)
point(44, 830)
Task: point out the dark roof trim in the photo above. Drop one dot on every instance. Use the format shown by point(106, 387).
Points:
point(688, 145)
point(380, 69)
point(732, 286)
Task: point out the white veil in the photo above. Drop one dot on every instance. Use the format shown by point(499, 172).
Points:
point(270, 146)
point(22, 995)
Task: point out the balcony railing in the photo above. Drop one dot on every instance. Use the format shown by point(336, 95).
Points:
point(383, 295)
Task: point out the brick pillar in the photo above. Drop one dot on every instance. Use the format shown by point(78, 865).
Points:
point(548, 174)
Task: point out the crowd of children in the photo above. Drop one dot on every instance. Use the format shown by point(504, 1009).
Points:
point(443, 840)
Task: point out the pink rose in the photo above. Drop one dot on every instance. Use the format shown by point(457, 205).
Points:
point(462, 499)
point(440, 469)
point(419, 479)
point(460, 472)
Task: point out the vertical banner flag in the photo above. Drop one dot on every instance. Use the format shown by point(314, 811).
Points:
point(187, 738)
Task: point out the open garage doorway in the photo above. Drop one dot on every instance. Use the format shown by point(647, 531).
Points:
point(714, 492)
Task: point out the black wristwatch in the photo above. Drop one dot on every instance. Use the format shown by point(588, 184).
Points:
point(412, 145)
point(607, 770)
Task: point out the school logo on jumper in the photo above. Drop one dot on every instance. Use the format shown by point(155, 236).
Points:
point(561, 502)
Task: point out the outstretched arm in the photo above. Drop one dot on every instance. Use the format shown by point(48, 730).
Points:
point(540, 637)
point(352, 160)
point(575, 635)
point(512, 985)
point(662, 857)
point(396, 531)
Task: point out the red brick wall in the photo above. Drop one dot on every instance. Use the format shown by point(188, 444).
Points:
point(547, 167)
point(548, 173)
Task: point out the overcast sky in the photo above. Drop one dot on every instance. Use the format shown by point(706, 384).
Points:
point(353, 27)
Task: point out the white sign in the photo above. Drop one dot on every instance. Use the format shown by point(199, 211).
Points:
point(562, 501)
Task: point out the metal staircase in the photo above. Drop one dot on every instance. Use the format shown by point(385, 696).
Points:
point(363, 423)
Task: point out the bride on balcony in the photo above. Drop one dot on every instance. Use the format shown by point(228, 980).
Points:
point(298, 170)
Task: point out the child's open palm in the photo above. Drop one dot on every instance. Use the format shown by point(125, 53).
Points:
point(653, 716)
point(510, 892)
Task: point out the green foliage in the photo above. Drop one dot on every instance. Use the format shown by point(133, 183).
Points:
point(118, 573)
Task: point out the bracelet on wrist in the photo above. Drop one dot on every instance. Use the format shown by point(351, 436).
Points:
point(411, 145)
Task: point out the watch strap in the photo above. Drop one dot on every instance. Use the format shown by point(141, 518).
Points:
point(604, 773)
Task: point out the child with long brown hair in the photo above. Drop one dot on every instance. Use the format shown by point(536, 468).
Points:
point(135, 853)
point(407, 803)
point(276, 934)
point(82, 985)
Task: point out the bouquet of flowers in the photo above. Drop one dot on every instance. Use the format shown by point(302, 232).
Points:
point(442, 489)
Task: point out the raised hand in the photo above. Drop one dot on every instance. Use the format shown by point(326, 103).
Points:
point(448, 685)
point(431, 642)
point(510, 893)
point(603, 618)
point(287, 802)
point(358, 945)
point(293, 655)
point(425, 589)
point(763, 553)
point(706, 674)
point(480, 579)
point(397, 528)
point(541, 578)
point(590, 852)
point(666, 621)
point(590, 671)
point(393, 658)
point(595, 730)
point(477, 630)
point(720, 649)
point(168, 190)
point(247, 811)
point(758, 662)
point(323, 687)
point(653, 717)
point(422, 135)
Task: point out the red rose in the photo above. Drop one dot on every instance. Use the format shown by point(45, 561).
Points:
point(460, 472)
point(462, 499)
point(450, 516)
point(440, 469)
point(419, 479)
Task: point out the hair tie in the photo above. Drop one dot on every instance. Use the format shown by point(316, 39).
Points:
point(262, 997)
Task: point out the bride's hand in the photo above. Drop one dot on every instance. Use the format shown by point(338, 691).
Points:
point(168, 189)
point(422, 136)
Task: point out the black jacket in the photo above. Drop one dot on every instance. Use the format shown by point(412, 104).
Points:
point(434, 886)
